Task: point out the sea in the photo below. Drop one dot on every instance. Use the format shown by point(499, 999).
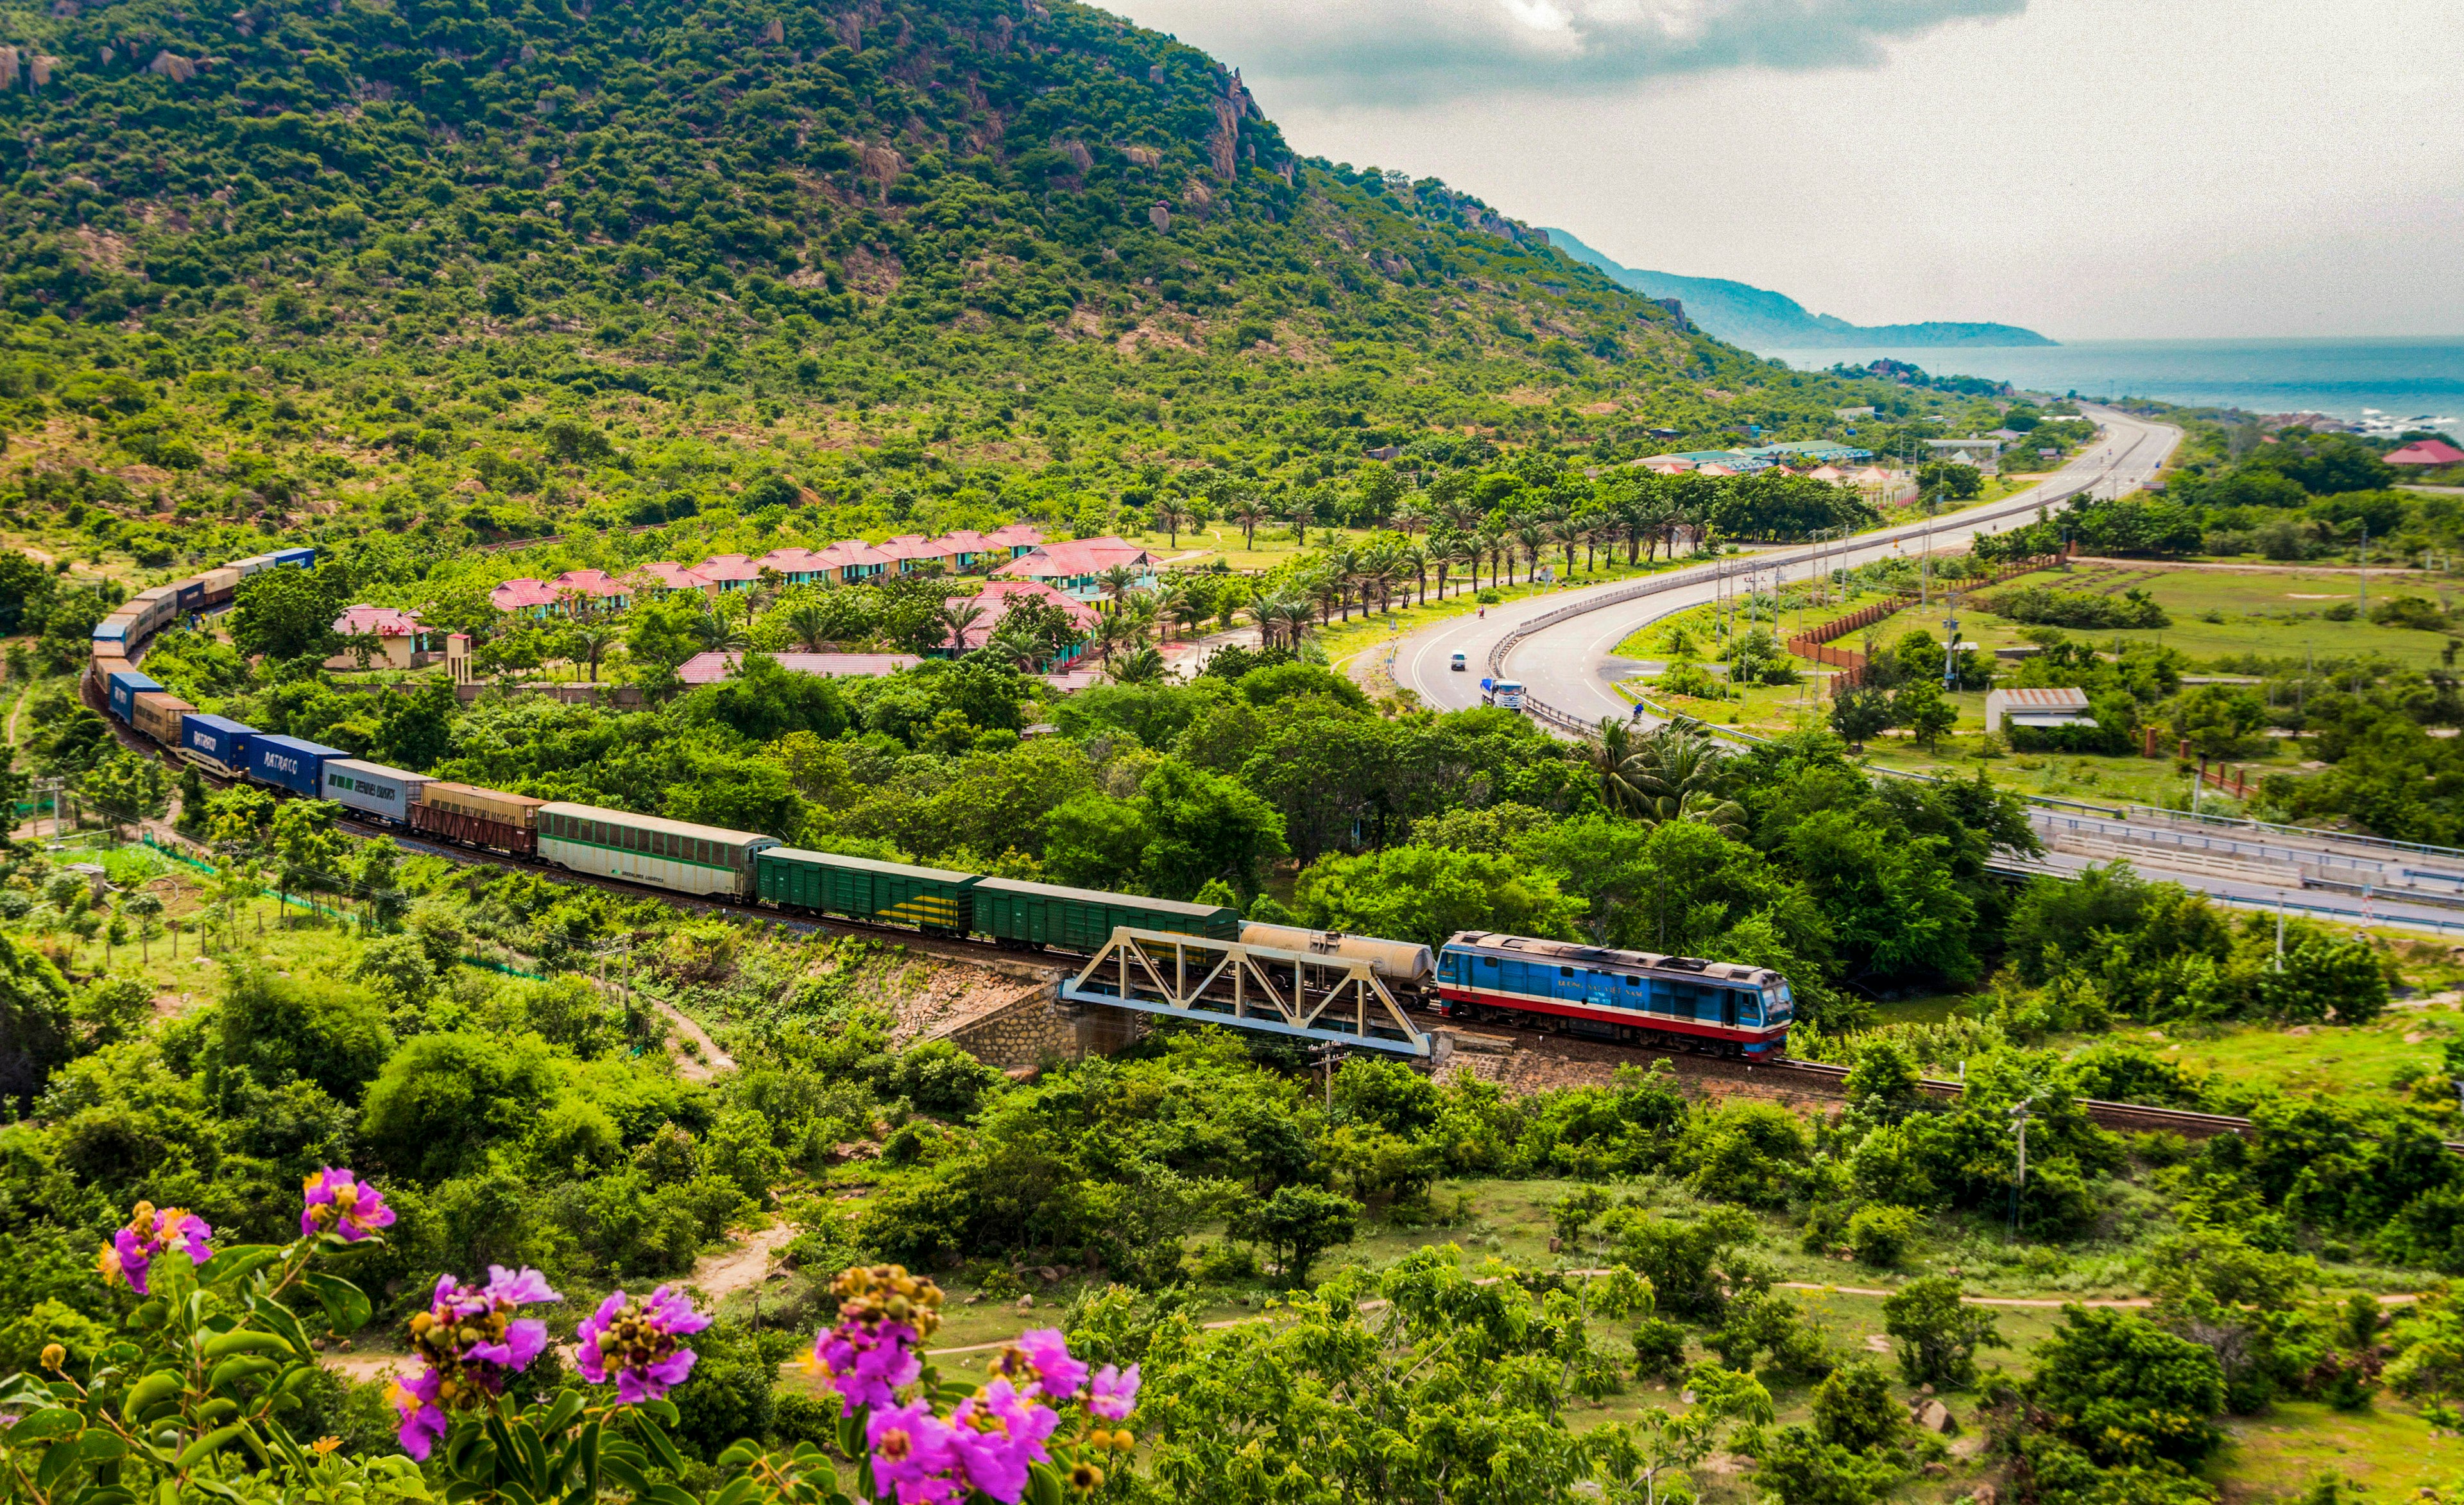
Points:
point(2398, 382)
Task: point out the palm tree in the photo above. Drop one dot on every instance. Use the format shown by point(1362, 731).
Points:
point(1301, 509)
point(1118, 582)
point(1565, 533)
point(1171, 513)
point(1246, 509)
point(591, 641)
point(1191, 609)
point(1282, 621)
point(1344, 566)
point(1143, 666)
point(1681, 774)
point(1446, 550)
point(1015, 649)
point(1613, 762)
point(809, 626)
point(718, 633)
point(1531, 537)
point(1114, 634)
point(1167, 602)
point(1412, 518)
point(1416, 559)
point(1327, 591)
point(956, 618)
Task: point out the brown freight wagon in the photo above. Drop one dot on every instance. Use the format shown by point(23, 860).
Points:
point(478, 817)
point(157, 714)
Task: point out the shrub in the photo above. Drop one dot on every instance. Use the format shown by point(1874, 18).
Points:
point(1798, 1468)
point(1854, 1408)
point(1938, 1332)
point(2041, 605)
point(1882, 1236)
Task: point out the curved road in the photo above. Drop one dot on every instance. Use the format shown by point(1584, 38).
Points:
point(1570, 664)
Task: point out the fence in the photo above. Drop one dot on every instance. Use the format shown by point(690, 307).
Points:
point(1813, 644)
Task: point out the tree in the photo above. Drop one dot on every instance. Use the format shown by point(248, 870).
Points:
point(1854, 1408)
point(1426, 894)
point(415, 723)
point(660, 633)
point(1201, 826)
point(147, 909)
point(1646, 1467)
point(2126, 1392)
point(1798, 1468)
point(287, 613)
point(1857, 713)
point(307, 845)
point(2216, 719)
point(127, 789)
point(2325, 974)
point(808, 625)
point(312, 1029)
point(34, 1029)
point(444, 1100)
point(1298, 1224)
point(1918, 705)
point(1169, 513)
point(1938, 1332)
point(588, 641)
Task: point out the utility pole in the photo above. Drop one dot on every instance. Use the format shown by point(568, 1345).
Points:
point(2018, 1187)
point(2364, 573)
point(2279, 933)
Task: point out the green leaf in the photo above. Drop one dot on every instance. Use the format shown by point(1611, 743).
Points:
point(852, 1437)
point(204, 1446)
point(739, 1452)
point(623, 1471)
point(670, 1494)
point(50, 1422)
point(347, 1306)
point(238, 1262)
point(561, 1415)
point(1044, 1484)
point(62, 1456)
point(736, 1492)
point(664, 1410)
point(277, 1317)
point(663, 1449)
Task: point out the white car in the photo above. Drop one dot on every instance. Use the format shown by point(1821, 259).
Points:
point(1456, 664)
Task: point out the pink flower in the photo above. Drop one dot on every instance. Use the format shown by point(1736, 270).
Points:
point(638, 1341)
point(338, 1202)
point(1041, 1357)
point(911, 1460)
point(1114, 1395)
point(995, 1434)
point(472, 1345)
point(883, 1313)
point(147, 1237)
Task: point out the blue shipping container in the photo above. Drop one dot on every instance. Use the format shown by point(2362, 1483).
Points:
point(216, 739)
point(113, 628)
point(304, 557)
point(126, 685)
point(192, 595)
point(288, 762)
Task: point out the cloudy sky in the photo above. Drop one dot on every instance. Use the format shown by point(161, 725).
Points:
point(2091, 168)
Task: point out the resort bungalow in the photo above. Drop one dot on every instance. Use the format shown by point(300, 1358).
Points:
point(729, 572)
point(912, 553)
point(713, 666)
point(580, 590)
point(1077, 566)
point(1020, 538)
point(798, 566)
point(2037, 707)
point(524, 597)
point(998, 596)
point(400, 637)
point(666, 577)
point(851, 560)
point(2425, 452)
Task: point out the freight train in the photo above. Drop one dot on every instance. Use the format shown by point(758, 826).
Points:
point(1633, 997)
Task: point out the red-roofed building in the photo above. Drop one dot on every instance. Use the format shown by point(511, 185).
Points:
point(525, 596)
point(400, 637)
point(710, 668)
point(968, 548)
point(666, 576)
point(593, 591)
point(801, 566)
point(1017, 537)
point(1000, 595)
point(729, 571)
point(1078, 566)
point(2427, 452)
point(912, 553)
point(851, 559)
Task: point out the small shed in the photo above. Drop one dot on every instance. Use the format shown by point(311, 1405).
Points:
point(2037, 707)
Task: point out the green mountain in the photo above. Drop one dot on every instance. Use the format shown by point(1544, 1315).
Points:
point(1761, 319)
point(489, 272)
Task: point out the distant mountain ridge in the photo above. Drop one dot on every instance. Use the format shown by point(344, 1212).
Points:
point(1763, 321)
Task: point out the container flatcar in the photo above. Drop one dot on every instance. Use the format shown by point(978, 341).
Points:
point(650, 848)
point(289, 763)
point(1638, 997)
point(372, 788)
point(303, 558)
point(1041, 914)
point(125, 686)
point(216, 742)
point(255, 563)
point(154, 610)
point(477, 817)
point(158, 714)
point(219, 586)
point(931, 900)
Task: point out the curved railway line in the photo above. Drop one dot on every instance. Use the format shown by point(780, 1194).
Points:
point(1815, 1078)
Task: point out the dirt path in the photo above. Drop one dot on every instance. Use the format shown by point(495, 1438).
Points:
point(710, 1060)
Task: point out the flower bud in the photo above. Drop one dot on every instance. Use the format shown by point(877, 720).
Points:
point(55, 1356)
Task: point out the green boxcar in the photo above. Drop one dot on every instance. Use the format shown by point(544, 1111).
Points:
point(891, 893)
point(1082, 919)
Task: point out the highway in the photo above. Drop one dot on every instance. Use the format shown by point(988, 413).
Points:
point(1562, 647)
point(1570, 664)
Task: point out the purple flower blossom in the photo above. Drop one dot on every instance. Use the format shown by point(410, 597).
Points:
point(912, 1460)
point(147, 1237)
point(338, 1202)
point(472, 1344)
point(884, 1313)
point(1114, 1394)
point(638, 1341)
point(1041, 1357)
point(995, 1434)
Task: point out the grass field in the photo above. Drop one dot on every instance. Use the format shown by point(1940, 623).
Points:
point(2360, 1066)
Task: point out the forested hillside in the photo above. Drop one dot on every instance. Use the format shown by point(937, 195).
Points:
point(480, 273)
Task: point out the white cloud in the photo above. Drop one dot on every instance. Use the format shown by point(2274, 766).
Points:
point(1387, 50)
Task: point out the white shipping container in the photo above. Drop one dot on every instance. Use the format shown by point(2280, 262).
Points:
point(373, 787)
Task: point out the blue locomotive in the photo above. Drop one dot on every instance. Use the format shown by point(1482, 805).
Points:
point(1630, 997)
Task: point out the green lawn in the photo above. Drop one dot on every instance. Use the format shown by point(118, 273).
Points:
point(2357, 1066)
point(2387, 1450)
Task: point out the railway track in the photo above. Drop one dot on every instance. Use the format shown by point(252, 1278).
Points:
point(1813, 1077)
